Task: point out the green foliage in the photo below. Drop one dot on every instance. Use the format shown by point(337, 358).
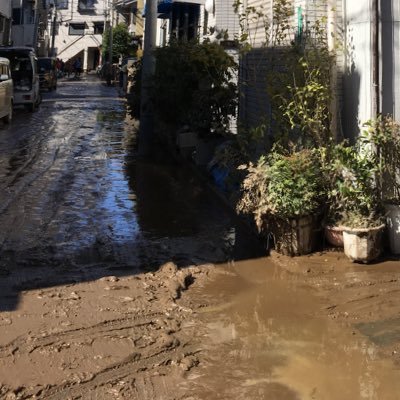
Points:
point(121, 42)
point(193, 86)
point(297, 73)
point(352, 193)
point(383, 134)
point(134, 98)
point(283, 185)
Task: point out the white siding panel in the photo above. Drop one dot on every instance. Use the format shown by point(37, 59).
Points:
point(226, 17)
point(357, 82)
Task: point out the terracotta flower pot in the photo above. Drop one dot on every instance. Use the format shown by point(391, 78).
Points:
point(334, 235)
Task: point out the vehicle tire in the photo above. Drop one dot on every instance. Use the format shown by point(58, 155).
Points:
point(8, 118)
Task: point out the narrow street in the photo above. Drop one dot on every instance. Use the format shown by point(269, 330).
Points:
point(122, 278)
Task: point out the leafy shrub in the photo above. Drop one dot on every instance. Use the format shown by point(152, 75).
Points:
point(193, 86)
point(283, 185)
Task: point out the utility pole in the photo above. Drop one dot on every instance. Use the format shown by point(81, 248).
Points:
point(146, 129)
point(110, 47)
point(36, 26)
point(53, 30)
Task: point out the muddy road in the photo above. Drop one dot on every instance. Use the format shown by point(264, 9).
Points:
point(123, 278)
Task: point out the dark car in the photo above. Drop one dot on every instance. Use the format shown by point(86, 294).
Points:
point(47, 73)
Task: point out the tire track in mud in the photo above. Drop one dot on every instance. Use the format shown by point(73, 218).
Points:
point(29, 344)
point(128, 368)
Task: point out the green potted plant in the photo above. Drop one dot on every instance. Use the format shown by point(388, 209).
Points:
point(284, 192)
point(355, 202)
point(384, 134)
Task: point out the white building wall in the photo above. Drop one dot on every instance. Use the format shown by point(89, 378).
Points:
point(225, 17)
point(5, 8)
point(358, 67)
point(390, 65)
point(68, 46)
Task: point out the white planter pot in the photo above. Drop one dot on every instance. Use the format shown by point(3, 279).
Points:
point(363, 244)
point(393, 227)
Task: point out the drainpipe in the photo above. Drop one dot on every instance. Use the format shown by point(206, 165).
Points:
point(331, 32)
point(375, 22)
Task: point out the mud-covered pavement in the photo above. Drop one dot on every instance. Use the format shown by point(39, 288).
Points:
point(127, 279)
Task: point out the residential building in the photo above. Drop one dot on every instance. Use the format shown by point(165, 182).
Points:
point(77, 27)
point(131, 13)
point(195, 19)
point(5, 22)
point(218, 17)
point(29, 24)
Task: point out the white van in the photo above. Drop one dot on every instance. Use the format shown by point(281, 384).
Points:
point(6, 91)
point(24, 72)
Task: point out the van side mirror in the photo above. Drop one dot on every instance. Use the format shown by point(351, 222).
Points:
point(4, 77)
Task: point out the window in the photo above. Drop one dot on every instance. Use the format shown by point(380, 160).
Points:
point(76, 29)
point(86, 5)
point(98, 28)
point(5, 70)
point(62, 4)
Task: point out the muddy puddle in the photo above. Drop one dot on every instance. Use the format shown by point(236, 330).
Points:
point(270, 341)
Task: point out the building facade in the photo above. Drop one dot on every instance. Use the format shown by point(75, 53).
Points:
point(76, 28)
point(5, 22)
point(29, 24)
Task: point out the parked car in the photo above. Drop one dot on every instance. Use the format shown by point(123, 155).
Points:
point(24, 72)
point(47, 73)
point(6, 91)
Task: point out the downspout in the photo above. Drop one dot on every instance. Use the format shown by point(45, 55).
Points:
point(332, 32)
point(375, 22)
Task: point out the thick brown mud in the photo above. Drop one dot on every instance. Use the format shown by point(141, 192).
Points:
point(122, 278)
